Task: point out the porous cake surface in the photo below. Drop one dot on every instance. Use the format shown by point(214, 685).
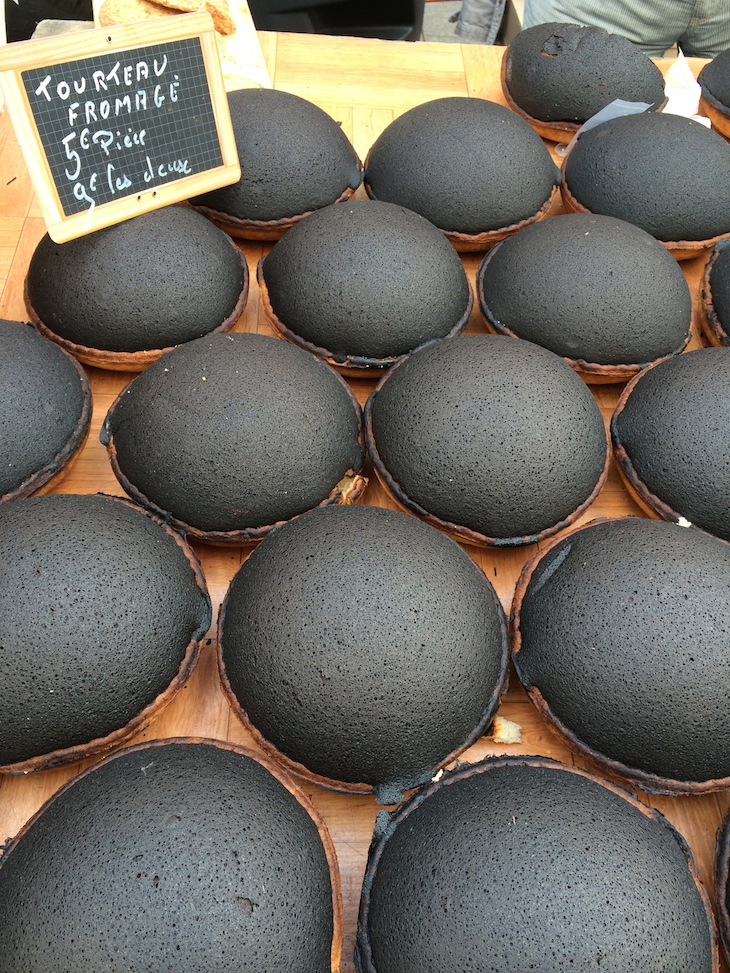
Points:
point(98, 608)
point(43, 398)
point(364, 645)
point(294, 158)
point(720, 286)
point(674, 427)
point(667, 174)
point(151, 282)
point(246, 431)
point(495, 434)
point(624, 630)
point(184, 857)
point(565, 72)
point(367, 278)
point(466, 164)
point(521, 864)
point(590, 288)
point(714, 79)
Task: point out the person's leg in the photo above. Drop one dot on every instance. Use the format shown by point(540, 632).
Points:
point(653, 25)
point(479, 20)
point(708, 33)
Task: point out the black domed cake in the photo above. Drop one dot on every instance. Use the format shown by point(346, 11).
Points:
point(598, 291)
point(526, 864)
point(102, 609)
point(722, 884)
point(361, 283)
point(181, 855)
point(562, 74)
point(45, 411)
point(671, 438)
point(294, 159)
point(667, 174)
point(622, 640)
point(714, 81)
point(363, 647)
point(246, 431)
point(716, 295)
point(472, 167)
point(119, 297)
point(495, 440)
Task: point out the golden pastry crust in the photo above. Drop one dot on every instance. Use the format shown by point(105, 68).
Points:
point(125, 11)
point(218, 9)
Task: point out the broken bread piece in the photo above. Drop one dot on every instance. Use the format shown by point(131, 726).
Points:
point(218, 10)
point(126, 11)
point(114, 12)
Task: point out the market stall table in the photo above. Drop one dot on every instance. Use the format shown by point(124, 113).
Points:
point(363, 84)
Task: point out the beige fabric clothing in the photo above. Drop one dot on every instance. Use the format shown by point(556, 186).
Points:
point(701, 28)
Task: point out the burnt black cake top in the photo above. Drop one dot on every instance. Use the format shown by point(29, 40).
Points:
point(466, 164)
point(186, 856)
point(496, 435)
point(151, 282)
point(294, 158)
point(590, 288)
point(101, 608)
point(366, 279)
point(718, 293)
point(714, 79)
point(564, 72)
point(245, 431)
point(671, 432)
point(364, 646)
point(45, 409)
point(667, 174)
point(529, 864)
point(623, 636)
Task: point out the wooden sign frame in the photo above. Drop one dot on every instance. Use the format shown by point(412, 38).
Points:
point(164, 180)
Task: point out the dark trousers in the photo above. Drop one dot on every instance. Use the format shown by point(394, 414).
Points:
point(22, 18)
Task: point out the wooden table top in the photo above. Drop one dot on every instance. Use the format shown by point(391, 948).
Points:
point(363, 84)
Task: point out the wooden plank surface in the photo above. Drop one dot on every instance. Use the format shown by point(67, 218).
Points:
point(363, 84)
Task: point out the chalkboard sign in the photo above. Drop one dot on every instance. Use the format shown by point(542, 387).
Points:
point(118, 121)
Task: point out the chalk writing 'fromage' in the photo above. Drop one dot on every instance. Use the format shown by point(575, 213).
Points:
point(116, 124)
